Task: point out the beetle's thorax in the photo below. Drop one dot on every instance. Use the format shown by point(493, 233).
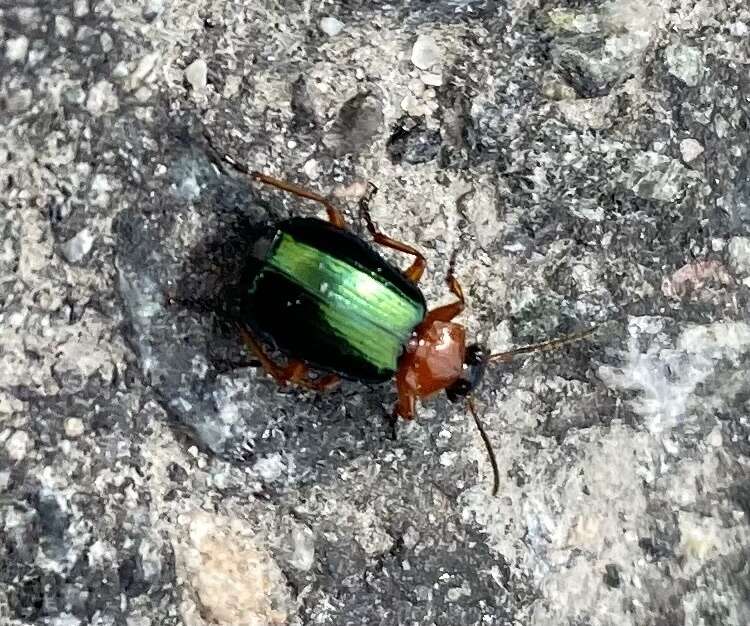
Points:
point(433, 359)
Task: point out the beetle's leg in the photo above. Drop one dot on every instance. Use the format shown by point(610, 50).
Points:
point(295, 372)
point(272, 368)
point(415, 270)
point(406, 403)
point(324, 383)
point(407, 393)
point(447, 312)
point(298, 373)
point(335, 216)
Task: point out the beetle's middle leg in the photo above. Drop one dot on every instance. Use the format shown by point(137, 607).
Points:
point(447, 312)
point(295, 372)
point(416, 269)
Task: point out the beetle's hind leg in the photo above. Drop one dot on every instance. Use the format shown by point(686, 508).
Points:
point(335, 216)
point(295, 372)
point(416, 269)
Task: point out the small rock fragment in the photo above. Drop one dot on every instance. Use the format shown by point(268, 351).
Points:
point(270, 467)
point(685, 63)
point(9, 404)
point(412, 105)
point(234, 580)
point(714, 438)
point(143, 94)
point(425, 53)
point(101, 98)
point(690, 149)
point(416, 86)
point(152, 9)
point(587, 112)
point(63, 26)
point(120, 71)
point(564, 19)
point(73, 427)
point(434, 79)
point(658, 177)
point(78, 246)
point(555, 88)
point(15, 49)
point(311, 168)
point(331, 26)
point(232, 86)
point(80, 8)
point(197, 74)
point(739, 29)
point(303, 555)
point(739, 255)
point(17, 445)
point(145, 66)
point(693, 277)
point(372, 538)
point(106, 41)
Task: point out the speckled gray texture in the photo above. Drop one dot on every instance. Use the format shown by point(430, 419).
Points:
point(590, 161)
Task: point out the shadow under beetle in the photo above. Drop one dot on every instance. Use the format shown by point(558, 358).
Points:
point(326, 300)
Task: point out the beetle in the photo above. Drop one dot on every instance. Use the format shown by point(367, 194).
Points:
point(330, 303)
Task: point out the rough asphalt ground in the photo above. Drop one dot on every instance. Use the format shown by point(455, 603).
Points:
point(591, 163)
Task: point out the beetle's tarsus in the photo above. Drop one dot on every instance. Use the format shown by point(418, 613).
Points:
point(416, 269)
point(219, 158)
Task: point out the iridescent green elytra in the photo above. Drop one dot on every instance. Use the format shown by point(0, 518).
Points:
point(324, 296)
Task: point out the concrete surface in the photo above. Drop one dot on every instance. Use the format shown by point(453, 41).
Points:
point(590, 161)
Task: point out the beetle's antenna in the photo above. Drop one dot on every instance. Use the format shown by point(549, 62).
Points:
point(488, 445)
point(544, 346)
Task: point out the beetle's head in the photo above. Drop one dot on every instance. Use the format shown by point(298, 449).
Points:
point(476, 359)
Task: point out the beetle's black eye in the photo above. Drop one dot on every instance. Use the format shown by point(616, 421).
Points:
point(475, 355)
point(458, 390)
point(475, 362)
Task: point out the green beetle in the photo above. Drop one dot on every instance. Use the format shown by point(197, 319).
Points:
point(331, 304)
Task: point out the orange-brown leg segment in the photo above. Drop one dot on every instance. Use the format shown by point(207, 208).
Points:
point(295, 372)
point(406, 403)
point(416, 269)
point(334, 215)
point(447, 312)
